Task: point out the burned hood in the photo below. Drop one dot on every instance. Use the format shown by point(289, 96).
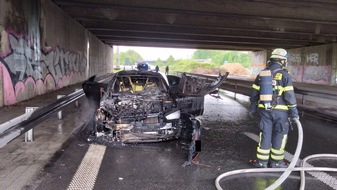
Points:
point(198, 85)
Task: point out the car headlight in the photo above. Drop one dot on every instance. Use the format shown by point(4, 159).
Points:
point(173, 115)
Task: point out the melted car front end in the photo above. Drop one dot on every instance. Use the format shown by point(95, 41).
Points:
point(137, 108)
point(141, 118)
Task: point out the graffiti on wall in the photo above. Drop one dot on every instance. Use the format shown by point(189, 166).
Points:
point(296, 72)
point(29, 71)
point(313, 58)
point(317, 74)
point(295, 58)
point(310, 67)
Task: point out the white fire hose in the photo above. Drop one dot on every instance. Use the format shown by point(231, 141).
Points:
point(286, 171)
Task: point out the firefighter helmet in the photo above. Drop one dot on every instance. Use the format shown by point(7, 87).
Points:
point(279, 55)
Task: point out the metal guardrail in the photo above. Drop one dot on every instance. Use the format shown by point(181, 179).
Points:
point(36, 117)
point(304, 93)
point(16, 128)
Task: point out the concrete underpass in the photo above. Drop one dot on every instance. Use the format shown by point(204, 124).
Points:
point(48, 48)
point(53, 160)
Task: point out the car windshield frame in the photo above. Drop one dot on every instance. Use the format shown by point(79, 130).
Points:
point(137, 83)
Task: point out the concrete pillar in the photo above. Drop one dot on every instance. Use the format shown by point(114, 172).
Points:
point(258, 62)
point(334, 65)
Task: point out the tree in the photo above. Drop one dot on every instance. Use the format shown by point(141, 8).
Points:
point(130, 55)
point(170, 60)
point(220, 57)
point(159, 62)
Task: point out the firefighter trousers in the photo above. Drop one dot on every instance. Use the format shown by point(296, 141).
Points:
point(274, 126)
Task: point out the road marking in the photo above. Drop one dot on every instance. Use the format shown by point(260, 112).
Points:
point(322, 176)
point(86, 174)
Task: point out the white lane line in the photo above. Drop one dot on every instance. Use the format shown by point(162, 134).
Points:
point(86, 174)
point(322, 176)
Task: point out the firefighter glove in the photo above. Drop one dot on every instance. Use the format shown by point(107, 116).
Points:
point(293, 113)
point(292, 121)
point(253, 108)
point(252, 114)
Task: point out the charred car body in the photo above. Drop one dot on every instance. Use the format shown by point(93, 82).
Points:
point(144, 106)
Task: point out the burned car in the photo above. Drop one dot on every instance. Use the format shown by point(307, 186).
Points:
point(145, 106)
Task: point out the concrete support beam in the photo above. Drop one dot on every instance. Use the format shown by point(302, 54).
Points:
point(334, 65)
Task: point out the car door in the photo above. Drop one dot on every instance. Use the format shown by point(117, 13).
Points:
point(94, 91)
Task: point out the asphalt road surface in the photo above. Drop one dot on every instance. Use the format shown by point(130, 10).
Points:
point(155, 166)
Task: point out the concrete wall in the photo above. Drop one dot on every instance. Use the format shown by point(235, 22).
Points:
point(42, 49)
point(258, 62)
point(313, 65)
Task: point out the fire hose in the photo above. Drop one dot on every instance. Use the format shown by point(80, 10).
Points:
point(286, 171)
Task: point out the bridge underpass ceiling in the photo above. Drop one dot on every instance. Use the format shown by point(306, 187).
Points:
point(211, 24)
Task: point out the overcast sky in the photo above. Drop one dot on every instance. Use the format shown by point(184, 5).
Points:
point(149, 53)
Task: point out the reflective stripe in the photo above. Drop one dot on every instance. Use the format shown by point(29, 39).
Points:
point(278, 76)
point(279, 152)
point(278, 107)
point(265, 73)
point(288, 88)
point(277, 157)
point(263, 151)
point(280, 90)
point(292, 106)
point(262, 154)
point(262, 157)
point(260, 139)
point(284, 141)
point(266, 97)
point(256, 87)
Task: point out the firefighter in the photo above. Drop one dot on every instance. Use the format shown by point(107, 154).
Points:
point(275, 102)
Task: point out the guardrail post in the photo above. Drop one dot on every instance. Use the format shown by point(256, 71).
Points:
point(29, 135)
point(236, 87)
point(76, 102)
point(59, 114)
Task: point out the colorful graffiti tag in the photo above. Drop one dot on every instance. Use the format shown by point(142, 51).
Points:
point(29, 71)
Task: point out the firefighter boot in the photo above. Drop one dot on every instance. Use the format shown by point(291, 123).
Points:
point(258, 163)
point(278, 164)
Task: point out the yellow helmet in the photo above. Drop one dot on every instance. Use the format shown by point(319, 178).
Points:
point(279, 53)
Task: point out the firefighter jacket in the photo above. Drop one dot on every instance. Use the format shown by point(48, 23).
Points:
point(283, 91)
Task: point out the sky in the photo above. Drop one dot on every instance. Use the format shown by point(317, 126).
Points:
point(153, 53)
